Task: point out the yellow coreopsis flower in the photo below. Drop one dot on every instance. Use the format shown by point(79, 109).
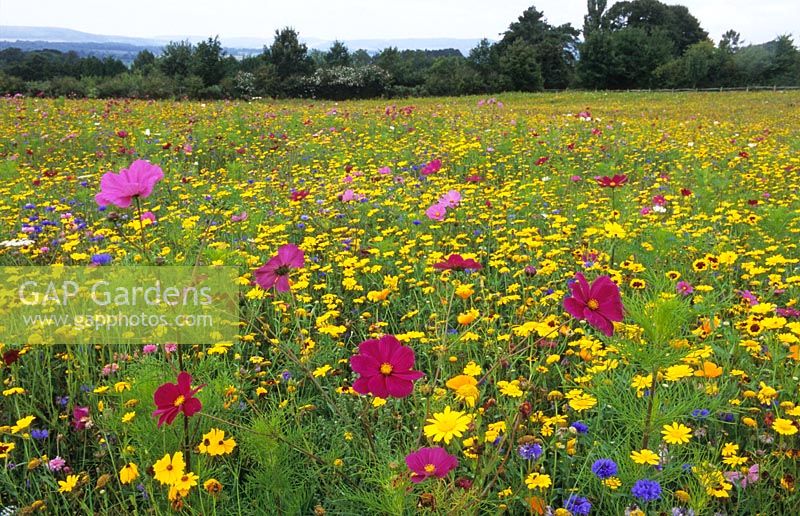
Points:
point(66, 486)
point(465, 387)
point(169, 470)
point(784, 426)
point(446, 425)
point(214, 443)
point(645, 457)
point(677, 433)
point(538, 481)
point(128, 473)
point(22, 424)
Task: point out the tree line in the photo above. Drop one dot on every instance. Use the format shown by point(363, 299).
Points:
point(632, 45)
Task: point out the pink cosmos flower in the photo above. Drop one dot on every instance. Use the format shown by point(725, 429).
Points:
point(348, 195)
point(684, 288)
point(431, 168)
point(600, 304)
point(430, 462)
point(384, 171)
point(451, 198)
point(174, 398)
point(747, 476)
point(149, 215)
point(275, 273)
point(384, 366)
point(437, 212)
point(136, 181)
point(455, 262)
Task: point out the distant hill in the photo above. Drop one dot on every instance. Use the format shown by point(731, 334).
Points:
point(124, 47)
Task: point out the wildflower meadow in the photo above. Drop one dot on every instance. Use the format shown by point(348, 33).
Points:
point(568, 304)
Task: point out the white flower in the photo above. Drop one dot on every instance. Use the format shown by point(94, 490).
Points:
point(19, 242)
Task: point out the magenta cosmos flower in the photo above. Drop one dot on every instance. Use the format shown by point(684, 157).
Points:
point(136, 181)
point(174, 398)
point(455, 262)
point(384, 366)
point(600, 304)
point(430, 462)
point(275, 273)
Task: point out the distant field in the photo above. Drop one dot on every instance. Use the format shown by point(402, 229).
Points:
point(688, 203)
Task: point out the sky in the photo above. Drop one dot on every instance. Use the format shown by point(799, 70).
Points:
point(757, 21)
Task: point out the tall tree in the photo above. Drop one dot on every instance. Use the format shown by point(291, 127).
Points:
point(337, 55)
point(288, 55)
point(554, 48)
point(594, 16)
point(176, 59)
point(208, 61)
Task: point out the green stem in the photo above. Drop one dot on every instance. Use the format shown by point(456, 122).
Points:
point(649, 417)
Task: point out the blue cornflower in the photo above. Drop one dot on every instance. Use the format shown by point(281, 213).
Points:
point(286, 375)
point(604, 468)
point(580, 427)
point(700, 413)
point(101, 259)
point(578, 505)
point(40, 434)
point(646, 490)
point(530, 451)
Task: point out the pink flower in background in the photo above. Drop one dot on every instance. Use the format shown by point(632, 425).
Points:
point(149, 348)
point(149, 215)
point(430, 462)
point(81, 419)
point(136, 181)
point(600, 304)
point(170, 347)
point(684, 288)
point(437, 212)
point(275, 273)
point(384, 171)
point(747, 476)
point(455, 262)
point(56, 463)
point(431, 168)
point(384, 366)
point(348, 195)
point(240, 217)
point(451, 199)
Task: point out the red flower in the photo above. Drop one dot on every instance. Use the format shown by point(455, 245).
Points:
point(385, 368)
point(430, 462)
point(299, 195)
point(612, 182)
point(173, 398)
point(455, 262)
point(600, 304)
point(275, 273)
point(10, 356)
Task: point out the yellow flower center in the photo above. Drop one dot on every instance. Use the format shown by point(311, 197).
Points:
point(593, 304)
point(179, 401)
point(386, 368)
point(430, 468)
